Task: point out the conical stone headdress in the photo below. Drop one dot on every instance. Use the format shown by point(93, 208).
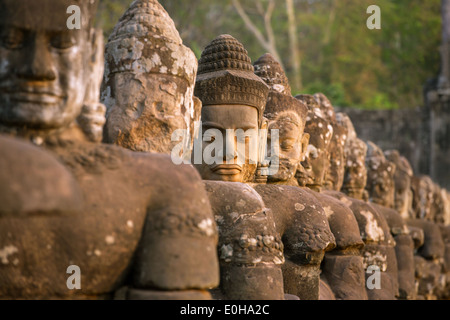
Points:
point(280, 98)
point(145, 40)
point(226, 76)
point(272, 73)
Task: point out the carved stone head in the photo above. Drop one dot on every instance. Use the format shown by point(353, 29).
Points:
point(446, 197)
point(334, 175)
point(326, 106)
point(355, 151)
point(149, 81)
point(311, 172)
point(43, 64)
point(233, 99)
point(287, 116)
point(438, 205)
point(402, 181)
point(422, 189)
point(380, 176)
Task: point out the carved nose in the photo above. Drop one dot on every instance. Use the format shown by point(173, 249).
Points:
point(229, 148)
point(38, 63)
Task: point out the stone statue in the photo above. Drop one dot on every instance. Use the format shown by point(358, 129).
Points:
point(380, 176)
point(233, 99)
point(342, 268)
point(118, 217)
point(428, 258)
point(372, 224)
point(402, 183)
point(422, 190)
point(404, 240)
point(92, 117)
point(355, 151)
point(149, 81)
point(299, 217)
point(445, 274)
point(381, 188)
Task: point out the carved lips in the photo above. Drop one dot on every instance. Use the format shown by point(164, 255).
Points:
point(226, 169)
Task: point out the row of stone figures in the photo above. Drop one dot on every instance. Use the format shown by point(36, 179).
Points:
point(102, 192)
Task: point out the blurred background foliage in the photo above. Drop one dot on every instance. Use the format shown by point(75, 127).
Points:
point(324, 45)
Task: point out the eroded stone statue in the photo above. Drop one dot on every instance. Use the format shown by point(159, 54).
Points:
point(233, 98)
point(149, 81)
point(299, 217)
point(372, 225)
point(398, 223)
point(342, 268)
point(124, 218)
point(381, 189)
point(402, 183)
point(428, 258)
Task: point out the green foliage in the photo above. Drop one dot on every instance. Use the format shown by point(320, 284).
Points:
point(340, 56)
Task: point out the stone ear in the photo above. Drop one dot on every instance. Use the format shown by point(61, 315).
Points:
point(304, 142)
point(263, 139)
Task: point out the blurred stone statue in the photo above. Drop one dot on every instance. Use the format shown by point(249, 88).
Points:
point(92, 117)
point(373, 227)
point(125, 219)
point(342, 268)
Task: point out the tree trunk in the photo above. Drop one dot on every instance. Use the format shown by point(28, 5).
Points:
point(295, 53)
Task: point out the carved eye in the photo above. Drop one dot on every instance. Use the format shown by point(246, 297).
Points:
point(12, 39)
point(287, 145)
point(62, 41)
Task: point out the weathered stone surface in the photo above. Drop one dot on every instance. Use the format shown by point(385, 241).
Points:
point(355, 151)
point(92, 117)
point(124, 218)
point(149, 81)
point(250, 247)
point(402, 183)
point(300, 217)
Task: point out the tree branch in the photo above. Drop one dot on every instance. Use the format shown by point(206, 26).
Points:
point(268, 44)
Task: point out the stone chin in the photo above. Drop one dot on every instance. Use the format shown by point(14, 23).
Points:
point(39, 115)
point(283, 175)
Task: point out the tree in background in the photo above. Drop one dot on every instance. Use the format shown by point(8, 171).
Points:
point(324, 45)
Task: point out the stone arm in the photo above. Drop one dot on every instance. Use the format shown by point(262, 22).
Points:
point(250, 249)
point(306, 235)
point(404, 250)
point(177, 250)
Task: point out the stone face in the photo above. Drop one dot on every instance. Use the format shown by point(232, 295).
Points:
point(299, 216)
point(355, 151)
point(92, 117)
point(250, 248)
point(149, 81)
point(317, 157)
point(422, 189)
point(380, 176)
point(126, 219)
point(334, 175)
point(402, 182)
point(233, 98)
